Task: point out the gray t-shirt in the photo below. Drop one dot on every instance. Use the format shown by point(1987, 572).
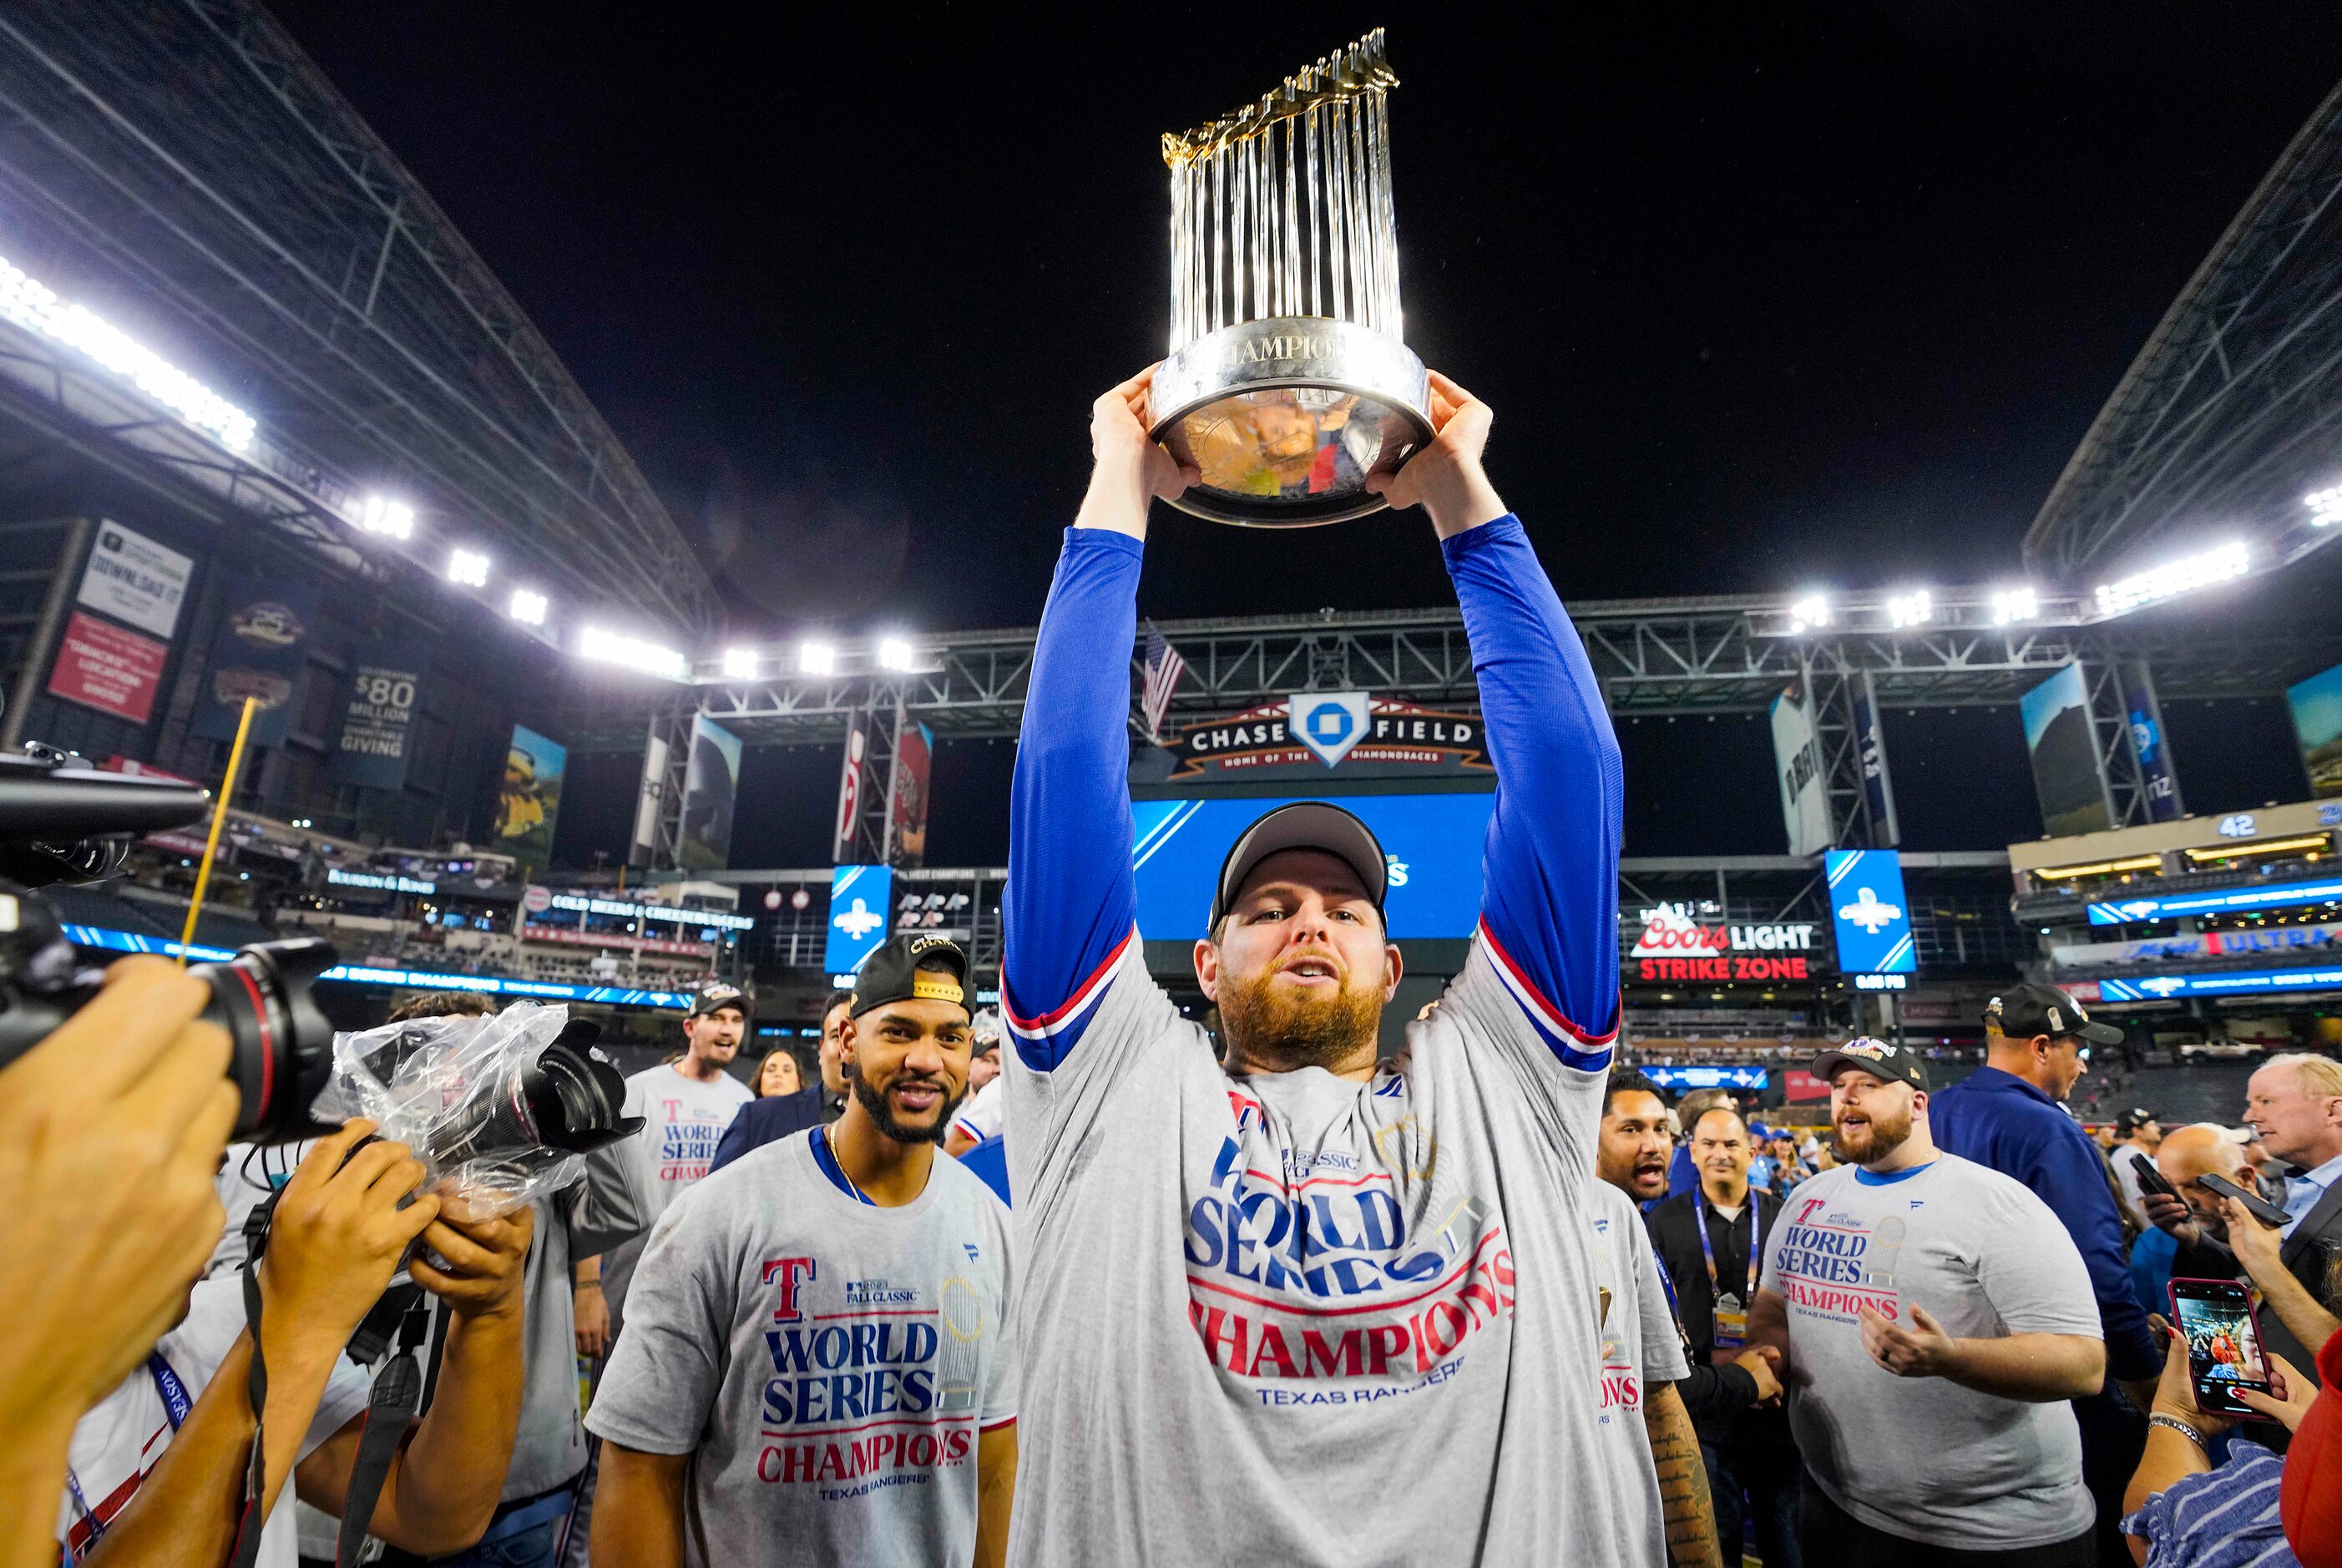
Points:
point(827, 1364)
point(682, 1120)
point(1263, 1307)
point(1923, 1458)
point(1640, 1346)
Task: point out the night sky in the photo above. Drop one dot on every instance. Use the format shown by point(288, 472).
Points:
point(1761, 299)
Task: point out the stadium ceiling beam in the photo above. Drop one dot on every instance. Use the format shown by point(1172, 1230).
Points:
point(188, 150)
point(2231, 414)
point(1653, 657)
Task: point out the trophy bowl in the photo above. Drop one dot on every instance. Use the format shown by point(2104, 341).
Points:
point(1285, 417)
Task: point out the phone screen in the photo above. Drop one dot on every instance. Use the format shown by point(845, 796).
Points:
point(2224, 1343)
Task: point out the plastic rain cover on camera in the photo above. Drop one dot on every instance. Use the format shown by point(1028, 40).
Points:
point(451, 1089)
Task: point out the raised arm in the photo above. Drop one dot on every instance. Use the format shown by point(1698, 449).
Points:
point(1550, 908)
point(1072, 900)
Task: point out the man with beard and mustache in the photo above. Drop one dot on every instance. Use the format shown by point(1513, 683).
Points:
point(1279, 1299)
point(857, 1402)
point(1932, 1318)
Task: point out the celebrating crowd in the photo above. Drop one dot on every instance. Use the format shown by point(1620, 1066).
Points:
point(1265, 1294)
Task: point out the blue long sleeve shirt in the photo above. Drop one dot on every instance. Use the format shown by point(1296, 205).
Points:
point(1550, 899)
point(1999, 1120)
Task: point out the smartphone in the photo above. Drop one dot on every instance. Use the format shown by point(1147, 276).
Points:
point(2151, 1180)
point(2224, 1343)
point(2260, 1208)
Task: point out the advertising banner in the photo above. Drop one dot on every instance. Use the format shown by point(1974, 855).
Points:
point(135, 580)
point(2323, 937)
point(532, 796)
point(262, 643)
point(105, 667)
point(1802, 1087)
point(853, 779)
point(1679, 1079)
point(1309, 733)
point(915, 749)
point(646, 800)
point(2283, 895)
point(1868, 907)
point(711, 781)
point(1674, 946)
point(378, 714)
point(2316, 708)
point(2068, 776)
point(2154, 764)
point(1798, 764)
point(859, 899)
point(1870, 747)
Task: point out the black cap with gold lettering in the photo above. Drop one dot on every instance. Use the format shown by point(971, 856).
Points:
point(911, 967)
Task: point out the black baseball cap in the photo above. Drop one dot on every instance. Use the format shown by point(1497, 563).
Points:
point(2131, 1121)
point(904, 970)
point(1880, 1058)
point(716, 994)
point(1304, 824)
point(2024, 1011)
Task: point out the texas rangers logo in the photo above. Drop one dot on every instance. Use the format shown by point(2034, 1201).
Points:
point(791, 1272)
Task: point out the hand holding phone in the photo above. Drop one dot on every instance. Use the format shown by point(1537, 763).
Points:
point(2224, 1344)
point(2260, 1208)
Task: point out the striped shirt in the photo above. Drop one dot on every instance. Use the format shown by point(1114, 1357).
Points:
point(2224, 1518)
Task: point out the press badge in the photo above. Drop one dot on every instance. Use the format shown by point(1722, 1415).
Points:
point(1731, 1322)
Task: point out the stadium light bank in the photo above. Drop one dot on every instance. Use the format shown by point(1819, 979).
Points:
point(632, 652)
point(2211, 567)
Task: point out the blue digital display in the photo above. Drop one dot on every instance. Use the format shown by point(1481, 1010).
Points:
point(2247, 982)
point(2123, 911)
point(1433, 842)
point(1706, 1077)
point(114, 941)
point(1869, 911)
point(860, 900)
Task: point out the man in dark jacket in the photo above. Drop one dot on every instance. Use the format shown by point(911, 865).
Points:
point(2010, 1114)
point(1711, 1241)
point(775, 1116)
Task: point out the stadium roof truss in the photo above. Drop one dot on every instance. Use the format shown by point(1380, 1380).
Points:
point(184, 158)
point(2231, 416)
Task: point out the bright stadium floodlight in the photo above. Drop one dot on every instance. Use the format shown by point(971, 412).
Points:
point(1912, 609)
point(2011, 605)
point(633, 653)
point(739, 664)
point(2173, 578)
point(894, 654)
point(816, 658)
point(468, 567)
point(527, 608)
point(2325, 505)
point(34, 306)
point(1807, 613)
point(380, 514)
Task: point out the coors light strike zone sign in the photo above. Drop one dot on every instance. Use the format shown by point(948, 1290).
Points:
point(1674, 946)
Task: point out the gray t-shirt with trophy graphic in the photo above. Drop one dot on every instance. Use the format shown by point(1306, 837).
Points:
point(1921, 1457)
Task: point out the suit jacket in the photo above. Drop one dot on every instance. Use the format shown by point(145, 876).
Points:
point(2306, 1254)
point(1717, 1393)
point(768, 1121)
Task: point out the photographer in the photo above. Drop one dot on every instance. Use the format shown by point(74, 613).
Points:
point(109, 1130)
point(157, 1469)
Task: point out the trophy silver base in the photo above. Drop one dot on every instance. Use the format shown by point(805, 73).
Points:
point(1285, 417)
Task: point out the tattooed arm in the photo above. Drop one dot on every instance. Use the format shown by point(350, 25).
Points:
point(1683, 1480)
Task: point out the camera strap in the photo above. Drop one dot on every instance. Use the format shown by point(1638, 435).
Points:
point(255, 1470)
point(397, 1394)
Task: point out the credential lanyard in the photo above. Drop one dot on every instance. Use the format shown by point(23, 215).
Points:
point(175, 1406)
point(1707, 1250)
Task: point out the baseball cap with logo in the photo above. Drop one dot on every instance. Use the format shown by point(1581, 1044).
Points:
point(2024, 1011)
point(715, 995)
point(1304, 824)
point(920, 966)
point(2131, 1121)
point(1880, 1058)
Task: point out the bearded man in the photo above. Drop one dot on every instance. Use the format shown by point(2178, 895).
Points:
point(1274, 1301)
point(1932, 1318)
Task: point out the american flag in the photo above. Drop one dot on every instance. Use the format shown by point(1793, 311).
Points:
point(1164, 668)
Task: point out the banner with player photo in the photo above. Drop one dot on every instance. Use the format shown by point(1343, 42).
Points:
point(532, 796)
point(711, 781)
point(262, 643)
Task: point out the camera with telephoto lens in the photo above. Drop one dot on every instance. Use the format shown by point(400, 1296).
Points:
point(61, 820)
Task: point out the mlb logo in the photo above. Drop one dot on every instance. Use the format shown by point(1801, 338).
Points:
point(1328, 722)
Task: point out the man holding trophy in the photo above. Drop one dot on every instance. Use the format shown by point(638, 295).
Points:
point(1302, 1303)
